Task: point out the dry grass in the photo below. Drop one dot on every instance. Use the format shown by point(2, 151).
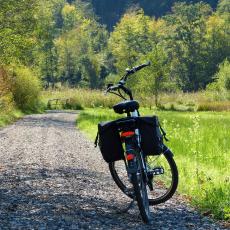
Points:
point(214, 106)
point(85, 98)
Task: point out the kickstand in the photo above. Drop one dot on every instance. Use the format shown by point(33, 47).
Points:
point(126, 209)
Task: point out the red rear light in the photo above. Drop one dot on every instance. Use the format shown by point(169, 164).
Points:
point(130, 157)
point(127, 134)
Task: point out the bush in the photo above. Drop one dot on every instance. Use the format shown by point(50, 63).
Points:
point(25, 88)
point(223, 76)
point(6, 97)
point(72, 103)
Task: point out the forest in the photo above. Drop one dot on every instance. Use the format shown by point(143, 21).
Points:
point(109, 11)
point(65, 44)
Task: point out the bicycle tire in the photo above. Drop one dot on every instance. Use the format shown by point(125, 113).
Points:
point(141, 194)
point(122, 182)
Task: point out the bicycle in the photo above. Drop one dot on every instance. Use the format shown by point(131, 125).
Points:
point(150, 179)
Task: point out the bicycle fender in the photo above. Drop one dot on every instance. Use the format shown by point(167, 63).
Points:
point(167, 151)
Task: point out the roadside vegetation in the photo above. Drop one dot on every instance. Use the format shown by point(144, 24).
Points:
point(19, 94)
point(84, 98)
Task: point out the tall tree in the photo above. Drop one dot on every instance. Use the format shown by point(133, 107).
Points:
point(48, 28)
point(131, 38)
point(186, 44)
point(17, 38)
point(81, 53)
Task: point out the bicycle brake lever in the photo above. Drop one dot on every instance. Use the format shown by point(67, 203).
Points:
point(108, 88)
point(122, 82)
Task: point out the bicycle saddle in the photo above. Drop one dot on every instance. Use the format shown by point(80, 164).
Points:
point(126, 107)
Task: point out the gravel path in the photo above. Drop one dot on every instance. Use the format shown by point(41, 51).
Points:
point(51, 177)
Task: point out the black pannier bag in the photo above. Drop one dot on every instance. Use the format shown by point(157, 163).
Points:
point(151, 135)
point(109, 141)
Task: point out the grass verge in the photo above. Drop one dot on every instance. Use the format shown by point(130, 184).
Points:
point(201, 143)
point(9, 117)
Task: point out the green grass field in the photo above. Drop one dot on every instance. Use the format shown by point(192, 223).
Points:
point(201, 144)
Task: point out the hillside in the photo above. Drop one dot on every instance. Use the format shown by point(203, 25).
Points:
point(110, 11)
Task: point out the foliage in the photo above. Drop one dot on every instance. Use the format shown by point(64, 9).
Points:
point(25, 88)
point(79, 59)
point(178, 101)
point(130, 39)
point(223, 75)
point(63, 42)
point(110, 11)
point(49, 23)
point(223, 7)
point(6, 97)
point(155, 77)
point(17, 25)
point(186, 44)
point(7, 117)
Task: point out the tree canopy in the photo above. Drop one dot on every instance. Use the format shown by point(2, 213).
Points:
point(65, 43)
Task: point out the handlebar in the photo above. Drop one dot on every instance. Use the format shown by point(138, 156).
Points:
point(122, 81)
point(137, 68)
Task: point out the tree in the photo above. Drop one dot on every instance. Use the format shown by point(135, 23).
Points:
point(223, 75)
point(110, 11)
point(223, 7)
point(17, 38)
point(186, 44)
point(154, 78)
point(131, 39)
point(81, 53)
point(217, 42)
point(47, 30)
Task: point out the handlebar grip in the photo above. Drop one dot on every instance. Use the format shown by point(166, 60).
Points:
point(141, 66)
point(137, 68)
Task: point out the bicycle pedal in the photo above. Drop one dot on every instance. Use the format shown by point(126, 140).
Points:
point(156, 171)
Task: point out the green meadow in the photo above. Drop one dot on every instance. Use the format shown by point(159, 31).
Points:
point(201, 145)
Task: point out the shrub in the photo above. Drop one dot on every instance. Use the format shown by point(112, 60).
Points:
point(25, 88)
point(6, 97)
point(72, 103)
point(223, 76)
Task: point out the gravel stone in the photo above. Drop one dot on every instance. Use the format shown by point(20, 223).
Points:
point(52, 177)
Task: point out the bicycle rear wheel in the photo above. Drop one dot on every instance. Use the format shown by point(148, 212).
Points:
point(164, 185)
